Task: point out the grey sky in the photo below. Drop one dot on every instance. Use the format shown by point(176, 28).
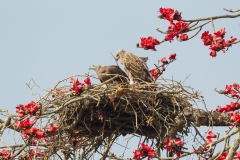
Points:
point(51, 40)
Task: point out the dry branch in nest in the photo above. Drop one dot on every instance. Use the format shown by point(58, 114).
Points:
point(104, 111)
point(77, 120)
point(123, 109)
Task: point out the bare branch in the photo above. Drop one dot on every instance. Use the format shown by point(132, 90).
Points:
point(234, 147)
point(215, 17)
point(230, 10)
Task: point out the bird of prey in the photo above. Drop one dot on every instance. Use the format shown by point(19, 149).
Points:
point(134, 66)
point(112, 71)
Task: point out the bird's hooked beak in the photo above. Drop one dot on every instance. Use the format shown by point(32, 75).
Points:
point(91, 68)
point(116, 58)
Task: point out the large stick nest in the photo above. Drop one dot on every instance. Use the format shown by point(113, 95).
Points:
point(96, 115)
point(104, 109)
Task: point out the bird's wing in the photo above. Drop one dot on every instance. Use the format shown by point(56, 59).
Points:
point(113, 71)
point(136, 67)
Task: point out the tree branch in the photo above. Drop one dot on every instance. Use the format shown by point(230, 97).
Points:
point(215, 17)
point(234, 147)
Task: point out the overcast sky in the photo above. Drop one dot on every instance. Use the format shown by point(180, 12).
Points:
point(51, 40)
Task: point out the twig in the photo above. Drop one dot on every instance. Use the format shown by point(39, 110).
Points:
point(234, 147)
point(230, 10)
point(214, 17)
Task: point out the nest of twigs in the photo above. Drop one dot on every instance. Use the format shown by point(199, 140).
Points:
point(89, 117)
point(101, 110)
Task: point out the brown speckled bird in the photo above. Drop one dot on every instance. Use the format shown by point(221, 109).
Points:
point(135, 67)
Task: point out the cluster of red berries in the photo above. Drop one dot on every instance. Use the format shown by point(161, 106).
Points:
point(155, 72)
point(144, 151)
point(217, 42)
point(30, 108)
point(176, 29)
point(175, 146)
point(77, 86)
point(149, 43)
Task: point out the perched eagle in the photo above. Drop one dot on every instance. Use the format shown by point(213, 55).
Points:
point(113, 70)
point(135, 67)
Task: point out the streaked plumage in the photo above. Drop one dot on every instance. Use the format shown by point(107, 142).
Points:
point(134, 66)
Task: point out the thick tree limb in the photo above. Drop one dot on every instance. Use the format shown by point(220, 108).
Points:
point(201, 117)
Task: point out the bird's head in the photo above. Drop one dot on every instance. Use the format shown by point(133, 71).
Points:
point(119, 54)
point(95, 67)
